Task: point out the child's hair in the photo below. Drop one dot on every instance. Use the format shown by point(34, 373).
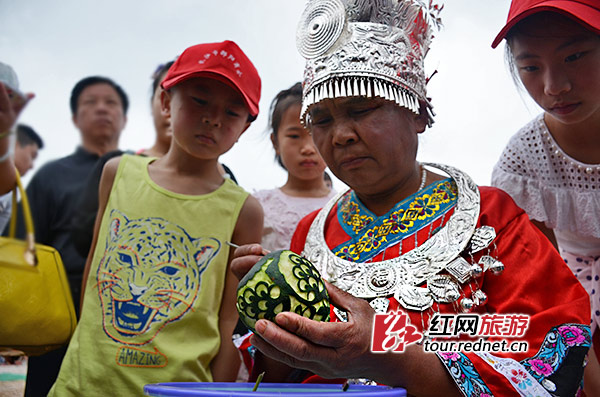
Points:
point(327, 178)
point(158, 75)
point(27, 136)
point(282, 102)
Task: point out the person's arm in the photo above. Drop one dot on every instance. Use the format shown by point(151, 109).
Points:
point(9, 112)
point(7, 167)
point(248, 229)
point(591, 380)
point(106, 183)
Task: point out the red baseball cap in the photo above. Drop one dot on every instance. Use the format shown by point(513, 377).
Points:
point(587, 12)
point(225, 62)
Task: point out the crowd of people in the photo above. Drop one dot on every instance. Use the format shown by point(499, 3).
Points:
point(155, 240)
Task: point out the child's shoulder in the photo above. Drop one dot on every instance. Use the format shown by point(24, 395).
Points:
point(278, 199)
point(531, 136)
point(266, 194)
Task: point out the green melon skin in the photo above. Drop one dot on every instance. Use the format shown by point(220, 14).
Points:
point(282, 281)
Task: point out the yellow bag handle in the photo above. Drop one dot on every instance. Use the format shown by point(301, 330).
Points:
point(30, 256)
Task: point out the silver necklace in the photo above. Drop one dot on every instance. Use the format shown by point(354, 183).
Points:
point(423, 177)
point(401, 276)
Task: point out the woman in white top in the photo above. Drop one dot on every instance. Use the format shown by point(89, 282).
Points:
point(305, 189)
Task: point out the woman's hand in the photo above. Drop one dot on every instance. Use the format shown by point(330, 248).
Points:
point(331, 350)
point(246, 256)
point(343, 349)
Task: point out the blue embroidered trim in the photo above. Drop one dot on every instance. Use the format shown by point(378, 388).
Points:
point(555, 347)
point(369, 234)
point(545, 363)
point(465, 375)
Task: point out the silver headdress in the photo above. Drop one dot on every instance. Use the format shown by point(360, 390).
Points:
point(372, 48)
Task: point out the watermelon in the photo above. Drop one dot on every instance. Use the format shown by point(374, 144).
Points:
point(282, 281)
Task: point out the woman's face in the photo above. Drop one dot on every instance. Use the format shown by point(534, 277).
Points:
point(295, 146)
point(558, 62)
point(370, 144)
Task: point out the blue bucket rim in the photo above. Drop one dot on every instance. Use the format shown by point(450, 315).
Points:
point(211, 389)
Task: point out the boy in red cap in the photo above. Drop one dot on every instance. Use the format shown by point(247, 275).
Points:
point(551, 167)
point(159, 295)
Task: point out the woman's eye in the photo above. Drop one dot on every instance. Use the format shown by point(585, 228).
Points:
point(360, 111)
point(232, 113)
point(320, 121)
point(199, 101)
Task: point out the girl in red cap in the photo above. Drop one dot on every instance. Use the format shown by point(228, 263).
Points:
point(551, 167)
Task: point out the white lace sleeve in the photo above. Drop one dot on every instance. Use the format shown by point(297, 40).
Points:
point(547, 184)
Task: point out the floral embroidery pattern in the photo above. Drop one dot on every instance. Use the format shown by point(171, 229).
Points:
point(523, 375)
point(555, 348)
point(465, 375)
point(520, 379)
point(540, 367)
point(370, 234)
point(351, 214)
point(573, 335)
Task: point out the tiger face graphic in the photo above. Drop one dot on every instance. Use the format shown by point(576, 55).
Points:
point(149, 276)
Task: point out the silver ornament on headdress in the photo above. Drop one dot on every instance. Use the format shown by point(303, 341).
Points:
point(371, 48)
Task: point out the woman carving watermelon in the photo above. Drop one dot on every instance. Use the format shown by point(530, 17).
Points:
point(422, 239)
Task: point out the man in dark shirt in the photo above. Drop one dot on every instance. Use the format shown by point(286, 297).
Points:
point(99, 108)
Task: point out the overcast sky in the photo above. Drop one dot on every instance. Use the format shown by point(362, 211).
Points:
point(54, 43)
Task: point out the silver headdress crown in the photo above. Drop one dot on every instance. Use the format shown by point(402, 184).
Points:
point(372, 48)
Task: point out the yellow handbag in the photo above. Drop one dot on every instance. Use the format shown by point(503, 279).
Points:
point(36, 307)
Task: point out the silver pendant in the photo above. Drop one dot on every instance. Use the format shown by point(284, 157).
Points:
point(476, 270)
point(482, 238)
point(466, 304)
point(491, 263)
point(486, 261)
point(479, 297)
point(414, 298)
point(497, 267)
point(443, 289)
point(380, 305)
point(460, 269)
point(381, 280)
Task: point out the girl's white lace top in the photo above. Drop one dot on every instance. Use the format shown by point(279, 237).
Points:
point(552, 187)
point(282, 214)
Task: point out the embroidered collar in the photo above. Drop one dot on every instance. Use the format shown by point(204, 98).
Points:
point(401, 276)
point(370, 234)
